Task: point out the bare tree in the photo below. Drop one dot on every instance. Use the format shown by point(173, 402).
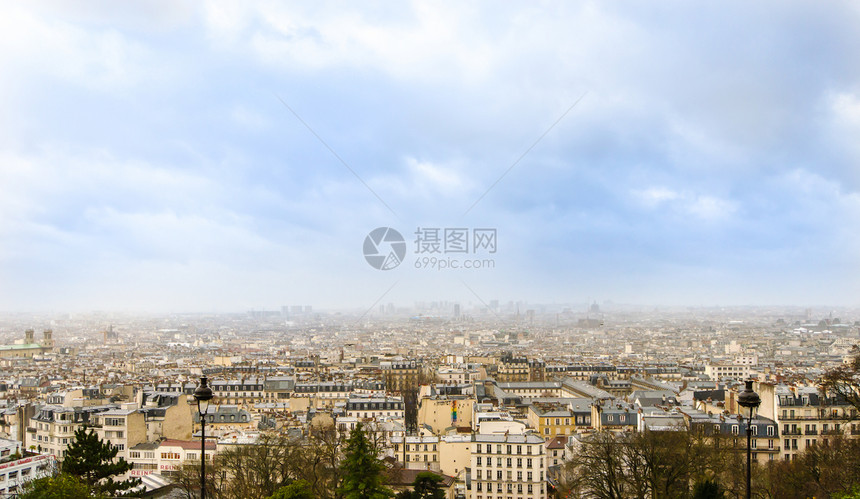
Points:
point(844, 381)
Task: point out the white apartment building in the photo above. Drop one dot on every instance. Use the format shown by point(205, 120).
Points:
point(18, 467)
point(507, 467)
point(166, 457)
point(729, 370)
point(457, 375)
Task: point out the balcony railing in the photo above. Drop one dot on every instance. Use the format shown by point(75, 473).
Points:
point(793, 431)
point(811, 432)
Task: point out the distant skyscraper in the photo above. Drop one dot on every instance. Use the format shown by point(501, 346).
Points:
point(456, 310)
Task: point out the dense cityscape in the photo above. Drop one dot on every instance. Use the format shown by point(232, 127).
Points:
point(437, 387)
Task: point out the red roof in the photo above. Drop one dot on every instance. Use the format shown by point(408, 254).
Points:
point(556, 443)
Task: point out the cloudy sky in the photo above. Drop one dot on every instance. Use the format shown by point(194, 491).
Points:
point(203, 156)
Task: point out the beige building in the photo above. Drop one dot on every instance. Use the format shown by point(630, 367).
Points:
point(441, 412)
point(455, 454)
point(29, 347)
point(167, 416)
point(804, 417)
point(123, 428)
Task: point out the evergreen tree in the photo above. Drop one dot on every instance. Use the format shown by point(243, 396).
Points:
point(362, 471)
point(425, 486)
point(707, 489)
point(94, 461)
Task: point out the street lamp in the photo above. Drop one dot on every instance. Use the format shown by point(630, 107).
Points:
point(749, 402)
point(203, 394)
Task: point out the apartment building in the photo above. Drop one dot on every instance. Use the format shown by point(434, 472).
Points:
point(765, 436)
point(243, 392)
point(418, 452)
point(122, 427)
point(18, 467)
point(166, 457)
point(806, 417)
point(400, 376)
point(729, 370)
point(551, 420)
point(458, 374)
point(531, 389)
point(374, 407)
point(507, 466)
point(53, 427)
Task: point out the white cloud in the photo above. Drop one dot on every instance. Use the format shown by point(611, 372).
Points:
point(702, 206)
point(711, 208)
point(41, 45)
point(655, 196)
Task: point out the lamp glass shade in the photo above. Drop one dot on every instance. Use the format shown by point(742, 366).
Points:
point(203, 394)
point(748, 400)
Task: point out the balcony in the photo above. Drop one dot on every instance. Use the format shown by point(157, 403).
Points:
point(811, 432)
point(792, 431)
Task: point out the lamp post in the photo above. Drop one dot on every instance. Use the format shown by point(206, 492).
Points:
point(749, 402)
point(203, 394)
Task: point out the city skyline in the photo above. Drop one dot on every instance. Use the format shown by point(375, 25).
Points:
point(225, 157)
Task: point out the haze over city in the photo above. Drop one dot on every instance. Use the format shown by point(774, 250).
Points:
point(219, 156)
